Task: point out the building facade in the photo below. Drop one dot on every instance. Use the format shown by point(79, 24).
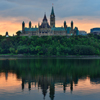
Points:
point(46, 29)
point(95, 31)
point(84, 33)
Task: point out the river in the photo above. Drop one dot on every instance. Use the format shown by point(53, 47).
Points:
point(49, 79)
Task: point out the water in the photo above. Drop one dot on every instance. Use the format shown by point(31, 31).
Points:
point(49, 79)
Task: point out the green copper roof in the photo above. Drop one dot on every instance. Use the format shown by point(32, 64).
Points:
point(71, 21)
point(23, 22)
point(26, 29)
point(75, 28)
point(68, 30)
point(31, 29)
point(58, 29)
point(64, 21)
point(52, 12)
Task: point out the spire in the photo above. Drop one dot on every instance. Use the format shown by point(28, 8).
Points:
point(23, 22)
point(45, 18)
point(52, 12)
point(30, 24)
point(52, 18)
point(71, 21)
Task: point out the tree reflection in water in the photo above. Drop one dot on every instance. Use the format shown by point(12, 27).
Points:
point(48, 72)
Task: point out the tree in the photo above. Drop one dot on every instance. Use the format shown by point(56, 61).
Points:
point(12, 50)
point(18, 33)
point(83, 50)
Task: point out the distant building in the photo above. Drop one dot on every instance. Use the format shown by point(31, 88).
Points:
point(46, 29)
point(95, 31)
point(84, 33)
point(7, 34)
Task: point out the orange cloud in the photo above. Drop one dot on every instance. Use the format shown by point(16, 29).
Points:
point(12, 25)
point(83, 23)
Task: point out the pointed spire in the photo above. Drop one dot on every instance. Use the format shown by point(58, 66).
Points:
point(52, 12)
point(45, 18)
point(23, 22)
point(71, 21)
point(65, 22)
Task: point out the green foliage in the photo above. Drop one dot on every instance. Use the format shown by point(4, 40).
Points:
point(51, 45)
point(23, 49)
point(18, 33)
point(39, 51)
point(1, 50)
point(83, 50)
point(12, 50)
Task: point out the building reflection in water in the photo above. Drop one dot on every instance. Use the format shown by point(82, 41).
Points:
point(95, 80)
point(60, 71)
point(48, 83)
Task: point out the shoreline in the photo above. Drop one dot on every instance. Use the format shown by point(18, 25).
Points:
point(21, 56)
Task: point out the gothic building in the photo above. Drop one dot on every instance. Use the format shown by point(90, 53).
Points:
point(46, 29)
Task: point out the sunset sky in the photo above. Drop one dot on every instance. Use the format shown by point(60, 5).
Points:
point(84, 13)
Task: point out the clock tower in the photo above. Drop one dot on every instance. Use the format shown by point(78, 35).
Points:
point(52, 18)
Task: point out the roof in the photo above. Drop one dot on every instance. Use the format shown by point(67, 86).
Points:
point(23, 22)
point(31, 29)
point(75, 28)
point(95, 29)
point(64, 21)
point(52, 12)
point(45, 18)
point(71, 21)
point(45, 23)
point(58, 29)
point(30, 22)
point(68, 29)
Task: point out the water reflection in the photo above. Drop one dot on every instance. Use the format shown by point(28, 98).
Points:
point(48, 74)
point(46, 83)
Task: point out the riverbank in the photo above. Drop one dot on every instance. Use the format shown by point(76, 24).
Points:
point(22, 56)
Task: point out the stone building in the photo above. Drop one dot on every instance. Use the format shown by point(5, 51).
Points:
point(84, 33)
point(46, 29)
point(95, 31)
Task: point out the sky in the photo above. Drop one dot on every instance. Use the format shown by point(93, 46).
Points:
point(84, 13)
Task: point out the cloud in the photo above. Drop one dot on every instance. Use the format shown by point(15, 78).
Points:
point(63, 8)
point(16, 11)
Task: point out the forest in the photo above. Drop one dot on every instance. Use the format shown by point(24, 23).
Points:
point(51, 45)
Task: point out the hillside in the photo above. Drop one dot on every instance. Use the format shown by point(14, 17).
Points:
point(51, 45)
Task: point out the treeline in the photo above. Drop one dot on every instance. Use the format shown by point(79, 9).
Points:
point(51, 45)
point(52, 67)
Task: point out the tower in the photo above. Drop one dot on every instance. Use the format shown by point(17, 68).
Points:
point(30, 24)
point(52, 18)
point(71, 25)
point(65, 26)
point(7, 34)
point(23, 27)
